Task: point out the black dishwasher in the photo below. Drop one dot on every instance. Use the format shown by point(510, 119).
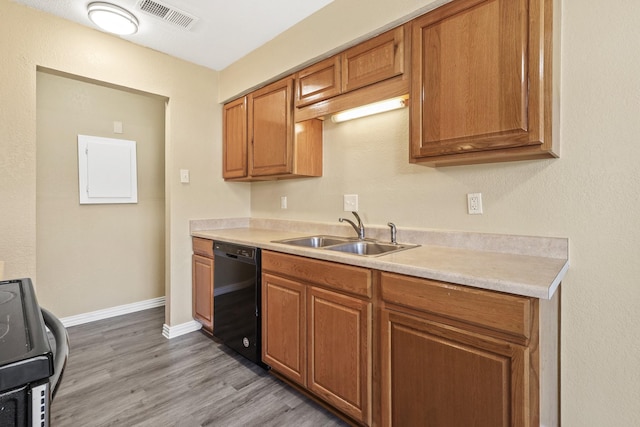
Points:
point(236, 298)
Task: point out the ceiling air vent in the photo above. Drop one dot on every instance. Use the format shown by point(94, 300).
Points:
point(168, 13)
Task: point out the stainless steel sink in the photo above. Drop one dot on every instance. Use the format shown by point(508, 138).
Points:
point(346, 244)
point(362, 247)
point(315, 241)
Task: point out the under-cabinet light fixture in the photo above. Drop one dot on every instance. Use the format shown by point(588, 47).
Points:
point(112, 18)
point(370, 109)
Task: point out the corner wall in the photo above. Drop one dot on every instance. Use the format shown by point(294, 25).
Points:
point(28, 39)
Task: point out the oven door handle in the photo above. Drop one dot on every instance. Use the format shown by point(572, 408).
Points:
point(62, 349)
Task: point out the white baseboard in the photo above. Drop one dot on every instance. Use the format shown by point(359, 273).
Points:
point(112, 312)
point(181, 329)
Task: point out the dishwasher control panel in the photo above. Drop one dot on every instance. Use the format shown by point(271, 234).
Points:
point(234, 250)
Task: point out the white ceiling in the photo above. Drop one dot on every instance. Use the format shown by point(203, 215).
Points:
point(226, 30)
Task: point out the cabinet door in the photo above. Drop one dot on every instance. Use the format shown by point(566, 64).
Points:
point(339, 351)
point(271, 129)
point(435, 375)
point(283, 327)
point(477, 79)
point(202, 289)
point(374, 60)
point(318, 82)
point(234, 143)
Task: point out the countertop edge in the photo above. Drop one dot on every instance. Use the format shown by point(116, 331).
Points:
point(506, 277)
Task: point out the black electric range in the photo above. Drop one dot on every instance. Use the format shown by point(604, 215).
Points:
point(27, 363)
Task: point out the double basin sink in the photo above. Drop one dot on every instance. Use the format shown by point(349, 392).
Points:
point(348, 245)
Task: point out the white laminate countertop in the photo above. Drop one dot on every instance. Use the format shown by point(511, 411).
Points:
point(534, 270)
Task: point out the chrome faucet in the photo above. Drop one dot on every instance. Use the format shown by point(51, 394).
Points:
point(393, 232)
point(359, 228)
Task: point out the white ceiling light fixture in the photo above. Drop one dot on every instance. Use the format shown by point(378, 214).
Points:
point(112, 18)
point(370, 109)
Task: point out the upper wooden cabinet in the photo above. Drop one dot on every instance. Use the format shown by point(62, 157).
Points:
point(234, 152)
point(318, 82)
point(382, 61)
point(261, 141)
point(373, 61)
point(479, 74)
point(270, 129)
point(481, 82)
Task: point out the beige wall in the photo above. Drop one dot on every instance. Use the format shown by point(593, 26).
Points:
point(109, 254)
point(590, 195)
point(29, 39)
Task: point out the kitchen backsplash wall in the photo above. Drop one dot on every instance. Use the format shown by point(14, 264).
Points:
point(369, 157)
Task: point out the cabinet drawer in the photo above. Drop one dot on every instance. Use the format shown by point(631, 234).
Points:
point(203, 247)
point(318, 82)
point(354, 280)
point(373, 61)
point(501, 312)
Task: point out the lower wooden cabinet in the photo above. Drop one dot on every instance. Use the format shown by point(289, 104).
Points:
point(338, 350)
point(202, 283)
point(386, 349)
point(283, 327)
point(316, 333)
point(435, 375)
point(454, 355)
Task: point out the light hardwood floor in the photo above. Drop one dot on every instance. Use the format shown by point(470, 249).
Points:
point(123, 372)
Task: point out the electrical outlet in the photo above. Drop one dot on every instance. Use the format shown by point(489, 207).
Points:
point(350, 202)
point(474, 203)
point(283, 202)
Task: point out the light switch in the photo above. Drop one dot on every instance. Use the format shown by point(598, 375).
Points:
point(117, 127)
point(184, 176)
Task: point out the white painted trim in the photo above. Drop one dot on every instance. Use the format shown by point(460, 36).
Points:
point(556, 282)
point(184, 328)
point(112, 312)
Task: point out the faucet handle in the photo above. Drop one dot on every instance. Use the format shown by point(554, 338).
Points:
point(393, 232)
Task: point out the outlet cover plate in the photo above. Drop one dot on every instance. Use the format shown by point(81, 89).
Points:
point(350, 202)
point(474, 203)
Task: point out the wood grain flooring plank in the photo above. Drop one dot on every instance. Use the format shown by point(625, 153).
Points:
point(123, 372)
